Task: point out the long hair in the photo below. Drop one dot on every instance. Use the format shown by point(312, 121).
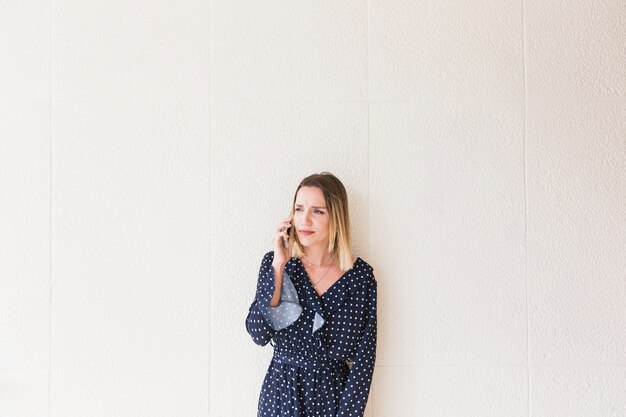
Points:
point(339, 243)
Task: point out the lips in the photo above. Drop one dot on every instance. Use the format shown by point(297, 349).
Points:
point(306, 232)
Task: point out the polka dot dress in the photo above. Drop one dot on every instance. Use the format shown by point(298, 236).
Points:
point(315, 339)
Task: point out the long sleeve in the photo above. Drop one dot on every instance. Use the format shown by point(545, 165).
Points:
point(356, 391)
point(264, 321)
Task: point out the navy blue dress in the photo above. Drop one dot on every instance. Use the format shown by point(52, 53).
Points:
point(314, 339)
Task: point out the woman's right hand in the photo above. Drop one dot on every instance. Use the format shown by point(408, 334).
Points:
point(281, 254)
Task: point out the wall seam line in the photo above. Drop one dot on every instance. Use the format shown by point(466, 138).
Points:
point(371, 400)
point(50, 57)
point(525, 129)
point(209, 156)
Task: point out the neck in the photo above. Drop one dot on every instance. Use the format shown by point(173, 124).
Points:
point(317, 255)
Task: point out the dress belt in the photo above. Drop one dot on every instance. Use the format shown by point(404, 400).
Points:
point(308, 361)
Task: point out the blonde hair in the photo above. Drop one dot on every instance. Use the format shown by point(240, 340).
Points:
point(339, 243)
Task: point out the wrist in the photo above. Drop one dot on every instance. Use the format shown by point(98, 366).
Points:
point(278, 266)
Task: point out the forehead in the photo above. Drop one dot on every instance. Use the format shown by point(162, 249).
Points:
point(311, 196)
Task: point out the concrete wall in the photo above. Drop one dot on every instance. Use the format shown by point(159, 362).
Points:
point(148, 149)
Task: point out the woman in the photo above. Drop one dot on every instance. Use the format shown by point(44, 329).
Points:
point(317, 305)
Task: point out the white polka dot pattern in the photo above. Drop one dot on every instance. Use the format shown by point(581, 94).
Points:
point(309, 375)
point(289, 308)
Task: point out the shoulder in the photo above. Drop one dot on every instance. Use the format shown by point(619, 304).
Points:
point(363, 272)
point(266, 262)
point(363, 268)
point(268, 257)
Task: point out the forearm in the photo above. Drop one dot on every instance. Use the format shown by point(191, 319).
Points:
point(278, 281)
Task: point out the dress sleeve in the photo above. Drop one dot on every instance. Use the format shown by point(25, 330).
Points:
point(356, 391)
point(264, 321)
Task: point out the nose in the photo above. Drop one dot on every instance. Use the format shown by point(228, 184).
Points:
point(307, 218)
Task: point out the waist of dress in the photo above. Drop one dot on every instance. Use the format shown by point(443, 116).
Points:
point(307, 361)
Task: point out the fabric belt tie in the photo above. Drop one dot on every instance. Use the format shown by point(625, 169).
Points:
point(308, 362)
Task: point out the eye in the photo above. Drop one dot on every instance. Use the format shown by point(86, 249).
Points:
point(319, 212)
point(298, 209)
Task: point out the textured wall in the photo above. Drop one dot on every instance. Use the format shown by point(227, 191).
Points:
point(147, 150)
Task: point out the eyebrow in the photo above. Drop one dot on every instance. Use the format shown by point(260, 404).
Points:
point(317, 207)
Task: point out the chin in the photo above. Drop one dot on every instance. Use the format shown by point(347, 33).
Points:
point(306, 242)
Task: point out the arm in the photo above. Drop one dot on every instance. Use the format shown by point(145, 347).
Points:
point(355, 394)
point(264, 319)
point(258, 328)
point(278, 282)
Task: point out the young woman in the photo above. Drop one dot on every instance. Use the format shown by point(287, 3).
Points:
point(317, 305)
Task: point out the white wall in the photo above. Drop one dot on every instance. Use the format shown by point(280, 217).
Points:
point(147, 150)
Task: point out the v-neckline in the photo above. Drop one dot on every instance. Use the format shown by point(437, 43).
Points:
point(308, 279)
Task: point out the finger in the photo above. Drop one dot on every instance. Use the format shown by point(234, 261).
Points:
point(285, 223)
point(282, 230)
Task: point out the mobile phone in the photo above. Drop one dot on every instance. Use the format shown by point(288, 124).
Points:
point(286, 239)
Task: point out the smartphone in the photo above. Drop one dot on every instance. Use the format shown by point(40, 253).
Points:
point(286, 239)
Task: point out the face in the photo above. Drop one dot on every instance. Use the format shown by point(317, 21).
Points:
point(310, 217)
